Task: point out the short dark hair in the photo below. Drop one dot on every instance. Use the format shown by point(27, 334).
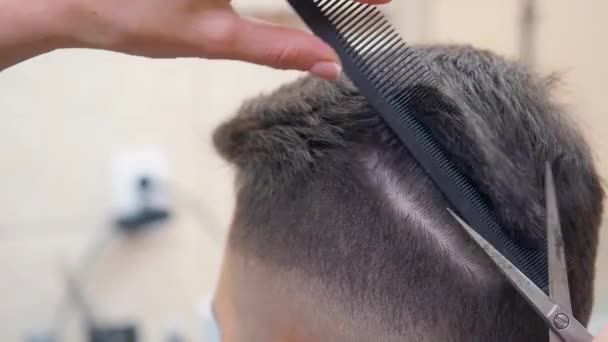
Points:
point(324, 187)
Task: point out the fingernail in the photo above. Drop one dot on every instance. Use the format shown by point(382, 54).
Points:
point(326, 70)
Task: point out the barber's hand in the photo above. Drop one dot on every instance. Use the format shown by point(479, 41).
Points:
point(196, 28)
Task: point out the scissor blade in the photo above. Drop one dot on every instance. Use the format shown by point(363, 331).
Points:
point(561, 323)
point(558, 273)
point(532, 293)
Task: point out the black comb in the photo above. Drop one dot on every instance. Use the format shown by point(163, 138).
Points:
point(393, 78)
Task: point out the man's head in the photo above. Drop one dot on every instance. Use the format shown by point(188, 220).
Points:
point(339, 235)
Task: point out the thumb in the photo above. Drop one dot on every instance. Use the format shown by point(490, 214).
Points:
point(277, 47)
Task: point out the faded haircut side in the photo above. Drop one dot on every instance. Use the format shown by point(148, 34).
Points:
point(324, 187)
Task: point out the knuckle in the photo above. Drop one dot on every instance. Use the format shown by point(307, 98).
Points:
point(285, 56)
point(219, 32)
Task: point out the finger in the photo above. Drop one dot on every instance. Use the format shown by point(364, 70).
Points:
point(232, 37)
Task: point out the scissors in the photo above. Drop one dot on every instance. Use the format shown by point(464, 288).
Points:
point(556, 310)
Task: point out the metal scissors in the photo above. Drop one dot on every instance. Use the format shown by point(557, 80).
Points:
point(556, 310)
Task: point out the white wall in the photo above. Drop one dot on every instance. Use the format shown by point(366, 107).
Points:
point(66, 115)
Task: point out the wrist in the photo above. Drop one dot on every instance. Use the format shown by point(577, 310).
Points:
point(88, 24)
point(30, 28)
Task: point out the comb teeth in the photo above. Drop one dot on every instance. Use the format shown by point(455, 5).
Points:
point(392, 77)
point(365, 34)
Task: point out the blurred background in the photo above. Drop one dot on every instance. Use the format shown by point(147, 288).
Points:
point(114, 205)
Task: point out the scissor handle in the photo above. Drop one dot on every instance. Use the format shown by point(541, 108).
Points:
point(567, 327)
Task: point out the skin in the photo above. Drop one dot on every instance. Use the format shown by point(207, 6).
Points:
point(256, 303)
point(158, 29)
point(244, 308)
